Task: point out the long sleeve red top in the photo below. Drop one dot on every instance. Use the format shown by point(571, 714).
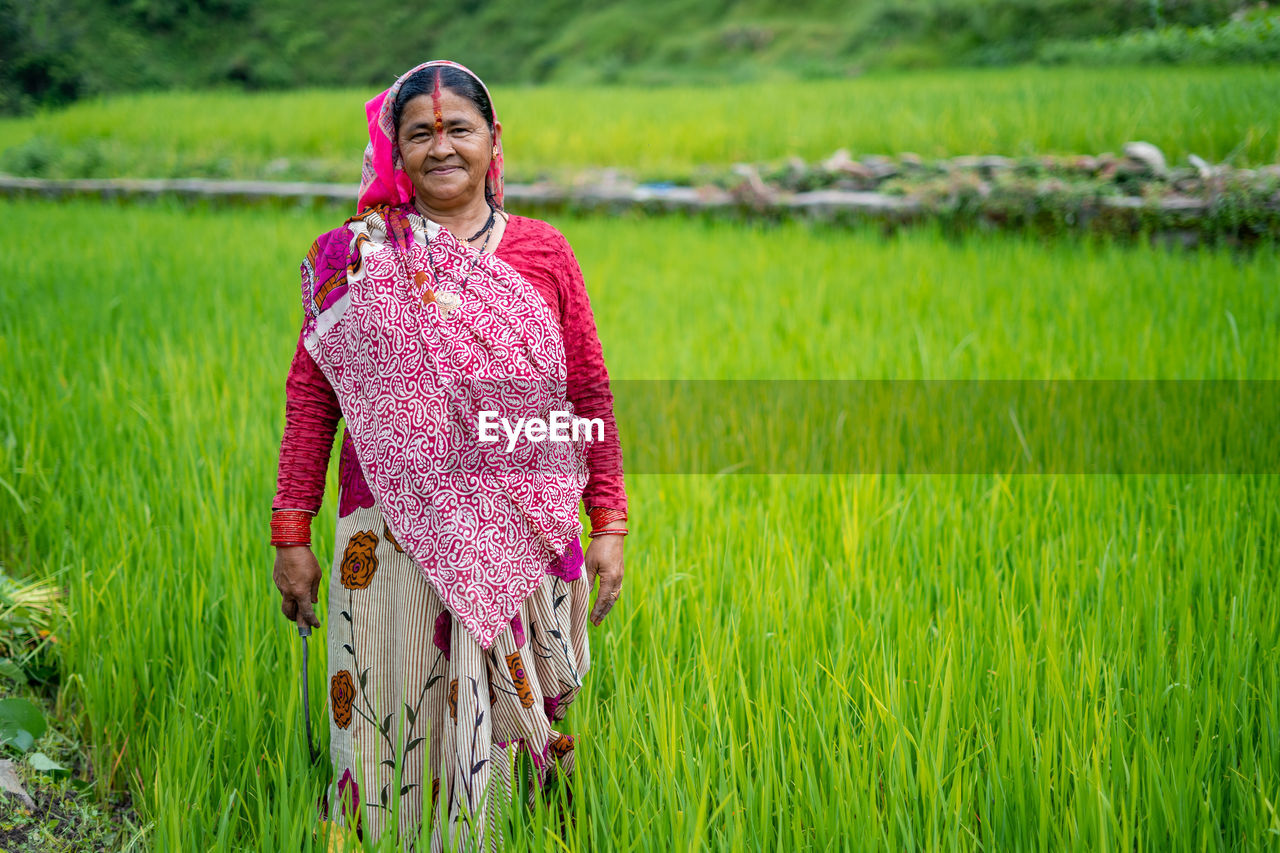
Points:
point(542, 255)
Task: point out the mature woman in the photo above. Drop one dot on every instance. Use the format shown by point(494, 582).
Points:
point(458, 593)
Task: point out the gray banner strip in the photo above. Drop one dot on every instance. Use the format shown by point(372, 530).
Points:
point(949, 427)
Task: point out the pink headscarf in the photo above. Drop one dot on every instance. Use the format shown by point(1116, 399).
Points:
point(382, 177)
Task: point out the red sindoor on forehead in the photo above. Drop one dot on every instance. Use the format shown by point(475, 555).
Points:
point(439, 113)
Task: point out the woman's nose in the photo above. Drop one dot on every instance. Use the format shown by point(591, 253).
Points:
point(441, 144)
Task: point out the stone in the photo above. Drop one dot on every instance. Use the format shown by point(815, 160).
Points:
point(987, 164)
point(1201, 166)
point(1148, 156)
point(612, 177)
point(880, 167)
point(11, 786)
point(837, 161)
point(840, 163)
point(752, 189)
point(1085, 163)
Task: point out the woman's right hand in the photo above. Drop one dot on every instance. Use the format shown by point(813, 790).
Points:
point(297, 576)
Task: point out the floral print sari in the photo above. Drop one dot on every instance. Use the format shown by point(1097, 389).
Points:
point(423, 720)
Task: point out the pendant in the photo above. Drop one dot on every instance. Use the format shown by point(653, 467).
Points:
point(447, 302)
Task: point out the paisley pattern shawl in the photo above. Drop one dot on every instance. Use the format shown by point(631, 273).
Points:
point(482, 524)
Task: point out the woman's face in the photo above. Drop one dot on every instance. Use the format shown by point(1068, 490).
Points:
point(446, 148)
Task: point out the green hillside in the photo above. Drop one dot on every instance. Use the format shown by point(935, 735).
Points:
point(56, 52)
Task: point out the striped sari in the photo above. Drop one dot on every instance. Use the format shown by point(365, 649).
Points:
point(413, 694)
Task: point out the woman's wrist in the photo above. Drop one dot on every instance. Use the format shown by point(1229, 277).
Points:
point(290, 527)
point(607, 521)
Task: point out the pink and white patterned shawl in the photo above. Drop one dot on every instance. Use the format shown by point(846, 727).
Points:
point(482, 524)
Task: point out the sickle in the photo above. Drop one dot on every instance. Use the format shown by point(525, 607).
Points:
point(304, 631)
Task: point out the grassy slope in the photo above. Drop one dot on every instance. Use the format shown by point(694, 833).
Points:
point(1015, 661)
point(673, 132)
point(91, 47)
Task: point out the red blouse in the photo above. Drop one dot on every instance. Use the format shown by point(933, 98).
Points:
point(542, 255)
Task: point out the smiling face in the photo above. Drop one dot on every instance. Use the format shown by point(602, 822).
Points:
point(446, 147)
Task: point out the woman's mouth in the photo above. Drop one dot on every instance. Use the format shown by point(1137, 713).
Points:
point(443, 170)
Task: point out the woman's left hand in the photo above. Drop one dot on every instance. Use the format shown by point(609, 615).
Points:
point(604, 559)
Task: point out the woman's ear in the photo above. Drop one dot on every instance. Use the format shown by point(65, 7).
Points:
point(497, 135)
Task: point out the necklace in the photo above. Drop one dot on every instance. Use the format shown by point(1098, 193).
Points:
point(446, 300)
point(487, 225)
point(476, 259)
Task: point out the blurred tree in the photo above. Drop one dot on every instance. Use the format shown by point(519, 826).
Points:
point(39, 64)
point(53, 52)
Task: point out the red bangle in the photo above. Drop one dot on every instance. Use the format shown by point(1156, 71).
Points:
point(612, 531)
point(600, 516)
point(290, 527)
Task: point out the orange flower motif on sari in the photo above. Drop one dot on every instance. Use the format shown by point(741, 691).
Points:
point(386, 533)
point(358, 560)
point(453, 699)
point(561, 746)
point(342, 693)
point(520, 679)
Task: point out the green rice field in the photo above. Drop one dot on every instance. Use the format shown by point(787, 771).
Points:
point(673, 133)
point(984, 662)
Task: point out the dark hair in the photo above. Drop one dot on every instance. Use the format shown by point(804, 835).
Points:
point(456, 80)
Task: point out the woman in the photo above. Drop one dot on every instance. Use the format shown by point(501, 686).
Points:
point(459, 590)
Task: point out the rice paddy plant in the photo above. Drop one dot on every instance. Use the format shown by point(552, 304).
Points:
point(839, 662)
point(673, 132)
